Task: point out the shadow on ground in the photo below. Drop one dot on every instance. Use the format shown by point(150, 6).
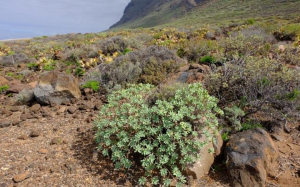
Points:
point(85, 149)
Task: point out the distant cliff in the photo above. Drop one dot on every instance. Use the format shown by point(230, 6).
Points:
point(182, 13)
point(155, 9)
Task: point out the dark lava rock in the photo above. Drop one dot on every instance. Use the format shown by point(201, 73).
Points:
point(249, 156)
point(72, 109)
point(34, 134)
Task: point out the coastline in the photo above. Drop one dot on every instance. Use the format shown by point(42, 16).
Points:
point(16, 39)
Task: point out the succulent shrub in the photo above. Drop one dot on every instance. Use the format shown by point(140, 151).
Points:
point(162, 136)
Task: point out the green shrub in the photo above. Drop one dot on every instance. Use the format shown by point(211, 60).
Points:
point(250, 21)
point(207, 59)
point(94, 85)
point(126, 50)
point(293, 95)
point(49, 67)
point(3, 88)
point(247, 126)
point(225, 136)
point(10, 74)
point(161, 136)
point(79, 71)
point(33, 66)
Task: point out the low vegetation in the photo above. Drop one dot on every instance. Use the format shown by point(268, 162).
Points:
point(253, 68)
point(162, 136)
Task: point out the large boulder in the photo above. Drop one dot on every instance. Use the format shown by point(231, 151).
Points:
point(56, 87)
point(14, 60)
point(250, 154)
point(202, 166)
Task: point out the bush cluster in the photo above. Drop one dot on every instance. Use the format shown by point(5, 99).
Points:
point(255, 82)
point(151, 65)
point(112, 45)
point(162, 136)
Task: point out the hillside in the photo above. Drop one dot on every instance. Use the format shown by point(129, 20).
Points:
point(213, 105)
point(147, 13)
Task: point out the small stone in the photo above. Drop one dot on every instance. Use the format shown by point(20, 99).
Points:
point(88, 120)
point(27, 158)
point(31, 165)
point(43, 151)
point(3, 184)
point(87, 91)
point(54, 169)
point(299, 128)
point(98, 105)
point(277, 137)
point(90, 105)
point(35, 108)
point(61, 110)
point(75, 116)
point(95, 156)
point(16, 122)
point(79, 129)
point(5, 123)
point(34, 134)
point(24, 117)
point(16, 108)
point(21, 177)
point(72, 109)
point(56, 141)
point(23, 137)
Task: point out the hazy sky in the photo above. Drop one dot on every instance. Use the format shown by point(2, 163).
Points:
point(30, 18)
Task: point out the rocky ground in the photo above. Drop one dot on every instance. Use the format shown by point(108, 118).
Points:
point(53, 145)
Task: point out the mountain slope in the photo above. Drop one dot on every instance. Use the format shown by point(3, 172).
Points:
point(149, 13)
point(155, 11)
